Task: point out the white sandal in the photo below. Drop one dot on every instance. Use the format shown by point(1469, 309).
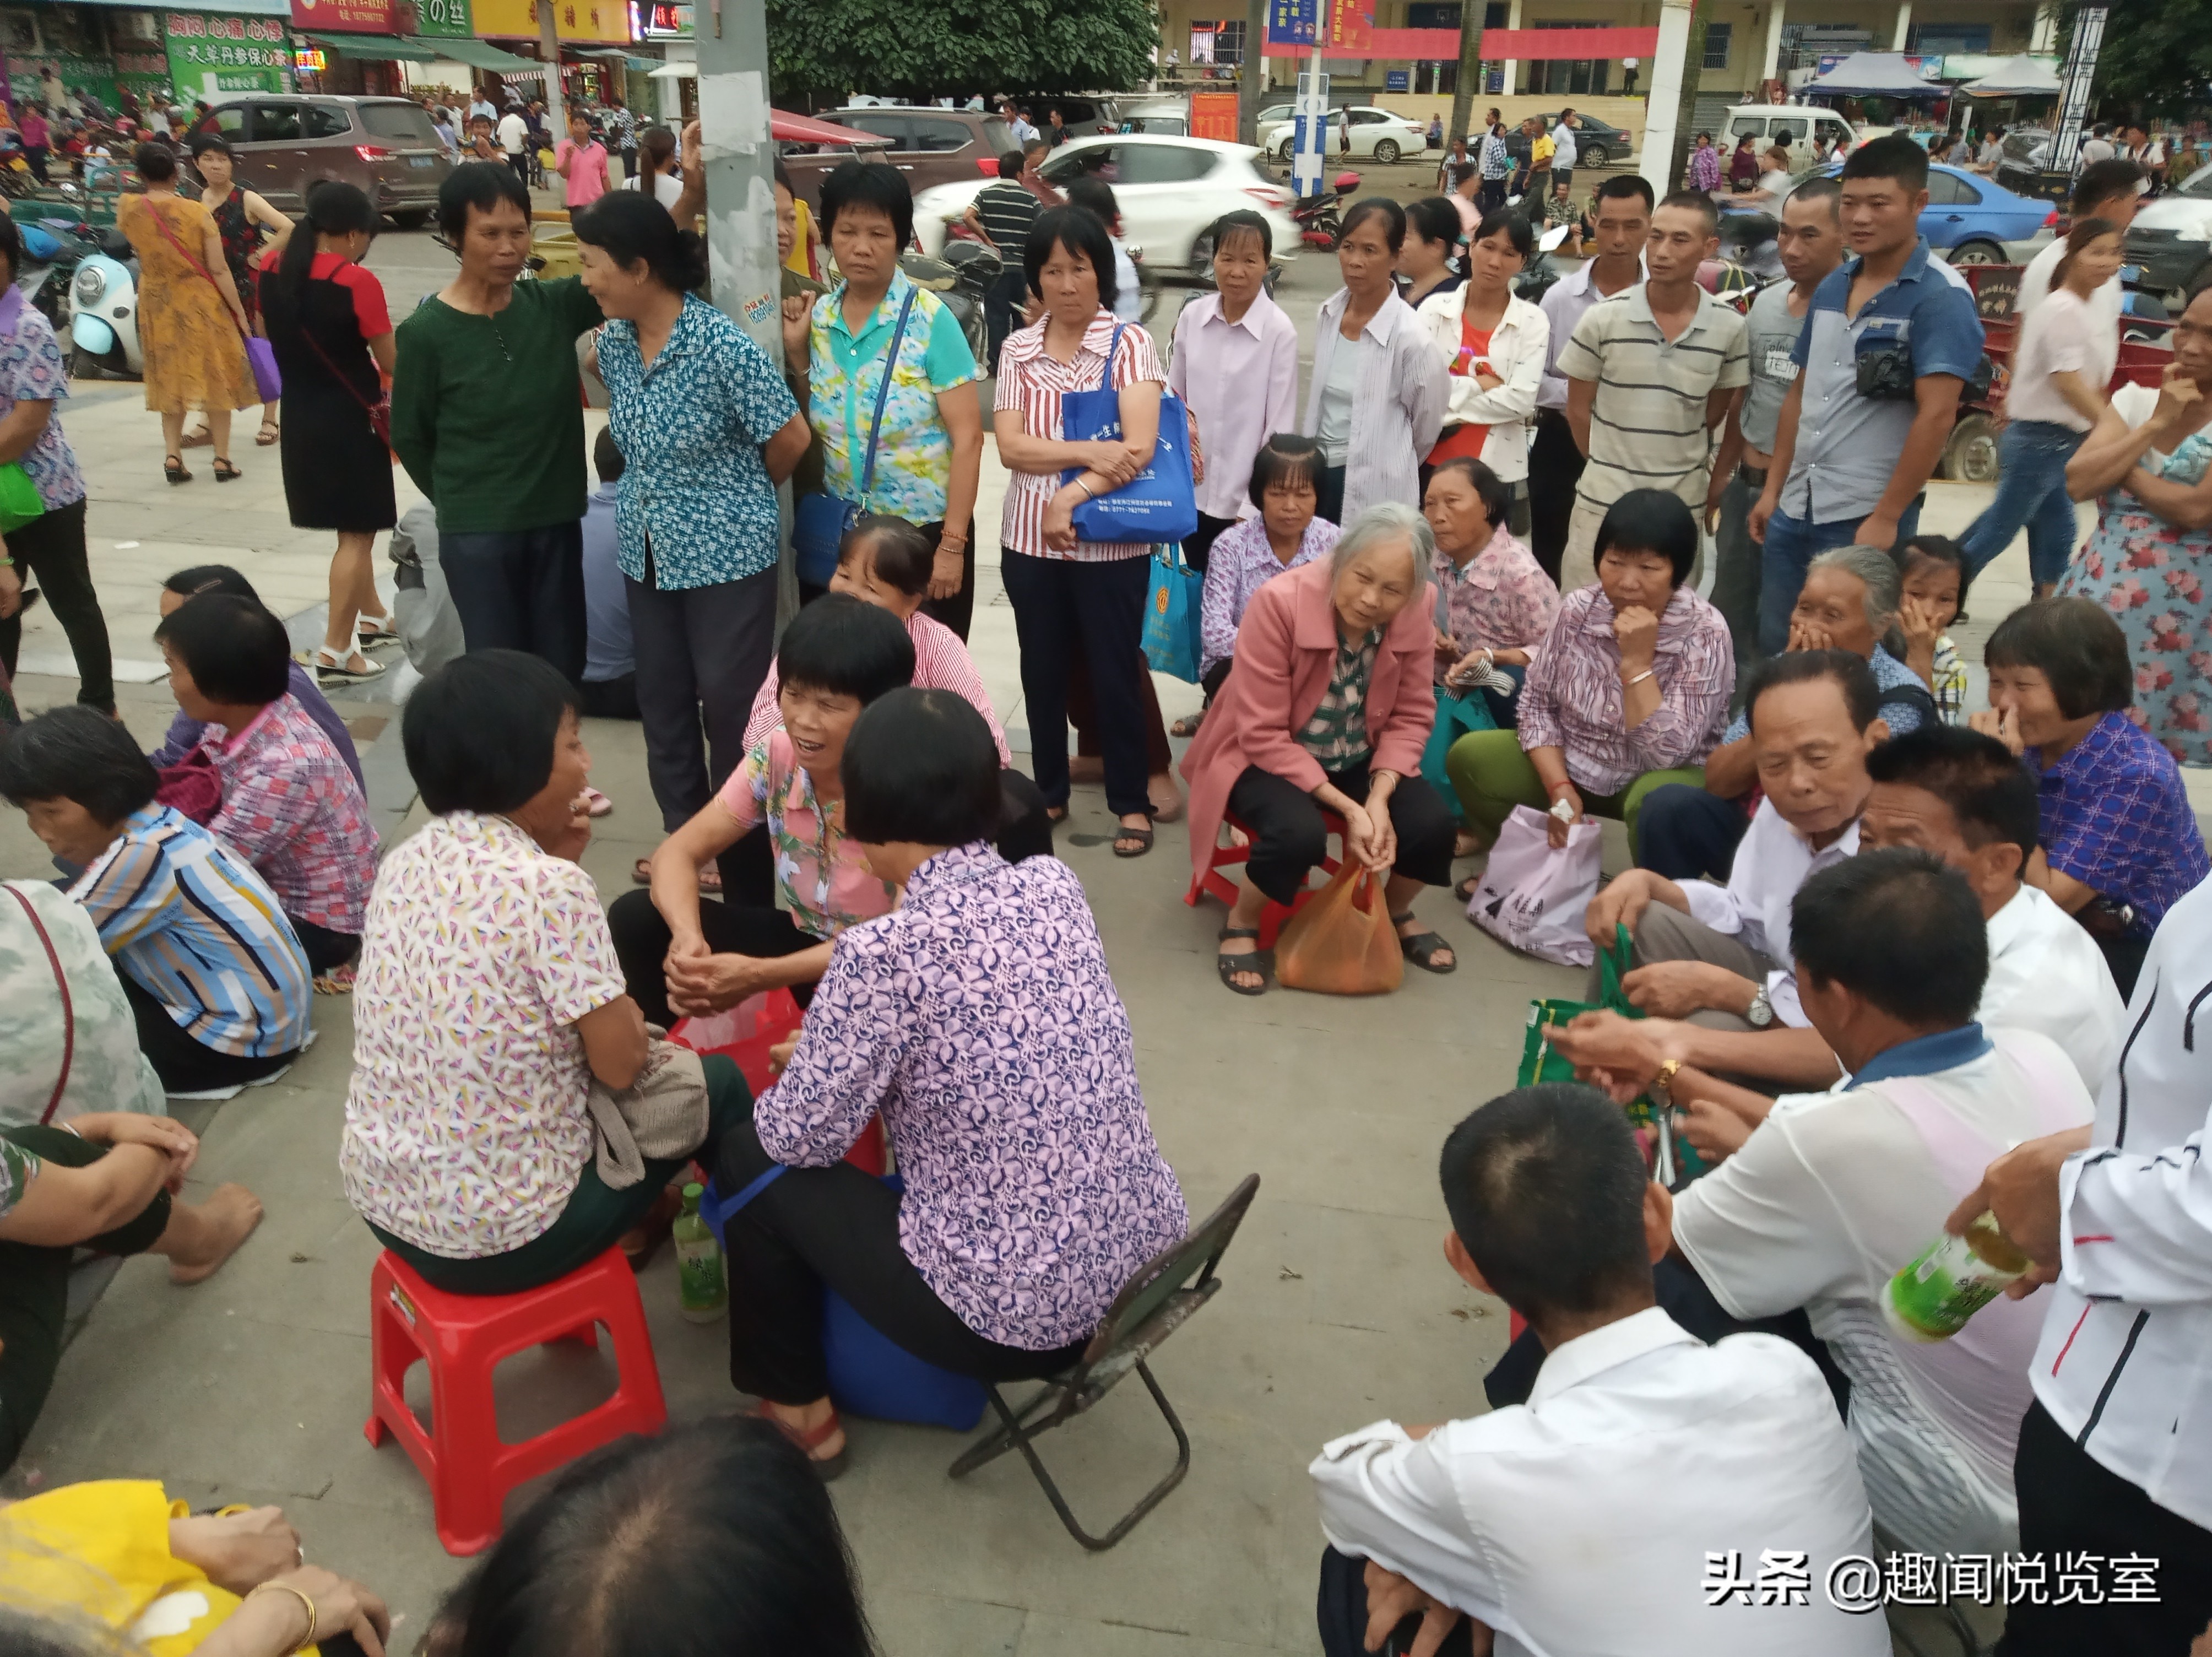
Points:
point(326, 664)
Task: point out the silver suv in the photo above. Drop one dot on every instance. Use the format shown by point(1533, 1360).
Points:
point(288, 143)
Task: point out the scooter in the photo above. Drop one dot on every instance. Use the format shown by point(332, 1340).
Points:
point(1319, 218)
point(105, 329)
point(965, 273)
point(53, 249)
point(1540, 273)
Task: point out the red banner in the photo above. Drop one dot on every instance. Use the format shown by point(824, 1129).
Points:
point(1351, 27)
point(345, 16)
point(1527, 45)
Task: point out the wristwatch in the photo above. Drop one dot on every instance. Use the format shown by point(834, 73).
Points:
point(1663, 1080)
point(1760, 1014)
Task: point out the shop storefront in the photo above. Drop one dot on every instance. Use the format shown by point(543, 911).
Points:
point(69, 52)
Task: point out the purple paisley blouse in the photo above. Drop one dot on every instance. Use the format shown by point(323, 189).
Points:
point(978, 1017)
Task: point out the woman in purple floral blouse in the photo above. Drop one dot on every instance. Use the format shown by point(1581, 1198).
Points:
point(979, 1019)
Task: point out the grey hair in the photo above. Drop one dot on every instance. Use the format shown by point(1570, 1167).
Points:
point(1386, 522)
point(1877, 571)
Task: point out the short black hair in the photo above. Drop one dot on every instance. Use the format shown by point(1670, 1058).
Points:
point(1650, 521)
point(235, 650)
point(782, 173)
point(203, 141)
point(1287, 457)
point(1497, 494)
point(632, 227)
point(1094, 196)
point(1010, 164)
point(920, 766)
point(209, 578)
point(1433, 218)
point(1989, 791)
point(2101, 181)
point(1820, 187)
point(607, 458)
point(869, 184)
point(846, 646)
point(1243, 221)
point(1697, 202)
point(1510, 220)
point(78, 754)
point(1893, 157)
point(1899, 928)
point(479, 732)
point(1079, 232)
point(900, 554)
point(1861, 696)
point(1623, 184)
point(1367, 207)
point(481, 185)
point(2077, 647)
point(1545, 1187)
point(1935, 549)
point(157, 162)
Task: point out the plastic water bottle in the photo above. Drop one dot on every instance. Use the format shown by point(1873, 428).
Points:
point(1955, 1277)
point(702, 1287)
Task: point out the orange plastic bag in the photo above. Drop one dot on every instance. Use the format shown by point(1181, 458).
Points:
point(1342, 943)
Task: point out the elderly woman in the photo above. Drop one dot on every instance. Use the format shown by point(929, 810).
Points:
point(1328, 711)
point(490, 1000)
point(290, 805)
point(1285, 533)
point(2119, 840)
point(1629, 689)
point(708, 431)
point(929, 447)
point(1493, 344)
point(996, 1262)
point(1852, 599)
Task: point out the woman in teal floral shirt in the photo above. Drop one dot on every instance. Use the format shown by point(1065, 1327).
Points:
point(707, 430)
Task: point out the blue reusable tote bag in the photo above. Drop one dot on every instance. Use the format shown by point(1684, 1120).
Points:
point(1171, 640)
point(820, 520)
point(1160, 503)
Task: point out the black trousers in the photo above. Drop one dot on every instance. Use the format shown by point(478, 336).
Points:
point(610, 699)
point(2070, 1504)
point(1004, 307)
point(2125, 957)
point(840, 1227)
point(1289, 840)
point(51, 548)
point(1342, 1610)
point(702, 653)
point(642, 939)
point(1555, 466)
point(184, 1064)
point(1684, 833)
point(326, 949)
point(1062, 607)
point(1198, 546)
point(521, 590)
point(1329, 489)
point(34, 1288)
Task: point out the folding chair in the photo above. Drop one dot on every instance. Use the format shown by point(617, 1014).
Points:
point(1158, 1301)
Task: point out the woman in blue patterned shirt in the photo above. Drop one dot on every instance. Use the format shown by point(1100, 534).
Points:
point(708, 430)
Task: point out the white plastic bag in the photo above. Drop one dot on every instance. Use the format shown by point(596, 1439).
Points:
point(1532, 897)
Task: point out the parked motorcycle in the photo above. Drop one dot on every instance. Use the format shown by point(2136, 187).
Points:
point(976, 268)
point(53, 249)
point(1319, 218)
point(104, 331)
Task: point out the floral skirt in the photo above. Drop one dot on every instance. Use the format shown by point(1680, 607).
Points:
point(2152, 578)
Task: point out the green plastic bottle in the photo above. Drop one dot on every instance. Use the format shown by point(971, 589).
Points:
point(1955, 1277)
point(701, 1286)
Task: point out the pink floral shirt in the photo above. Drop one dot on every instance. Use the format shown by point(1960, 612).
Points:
point(466, 1129)
point(292, 807)
point(820, 874)
point(1501, 600)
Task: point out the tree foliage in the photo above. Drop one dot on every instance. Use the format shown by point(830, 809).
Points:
point(2157, 55)
point(930, 48)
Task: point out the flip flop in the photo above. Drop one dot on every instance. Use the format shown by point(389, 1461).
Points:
point(597, 804)
point(1466, 889)
point(1421, 949)
point(1186, 726)
point(1227, 965)
point(825, 1467)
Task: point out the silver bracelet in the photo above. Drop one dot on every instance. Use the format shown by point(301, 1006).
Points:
point(1639, 678)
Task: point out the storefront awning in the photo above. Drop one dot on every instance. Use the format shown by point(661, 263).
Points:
point(375, 48)
point(476, 54)
point(617, 54)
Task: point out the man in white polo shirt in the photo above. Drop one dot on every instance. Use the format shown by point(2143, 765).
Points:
point(1651, 375)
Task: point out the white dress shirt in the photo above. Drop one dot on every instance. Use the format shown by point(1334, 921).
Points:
point(1836, 1192)
point(1240, 381)
point(1563, 303)
point(1771, 862)
point(1520, 349)
point(2047, 974)
point(1578, 1525)
point(2122, 1361)
point(1397, 402)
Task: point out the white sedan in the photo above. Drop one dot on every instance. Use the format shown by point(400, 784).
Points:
point(1377, 134)
point(1169, 190)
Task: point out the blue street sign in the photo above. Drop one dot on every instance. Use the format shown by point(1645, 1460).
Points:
point(1293, 22)
point(1397, 80)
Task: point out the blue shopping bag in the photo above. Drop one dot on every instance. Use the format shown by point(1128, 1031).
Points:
point(1458, 712)
point(1171, 638)
point(1160, 503)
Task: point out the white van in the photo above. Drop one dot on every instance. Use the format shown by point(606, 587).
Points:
point(1787, 124)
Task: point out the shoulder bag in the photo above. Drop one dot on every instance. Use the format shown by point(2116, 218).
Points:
point(69, 1005)
point(379, 411)
point(823, 519)
point(1160, 503)
point(260, 357)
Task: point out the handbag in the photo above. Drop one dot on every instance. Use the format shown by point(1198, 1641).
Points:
point(262, 361)
point(1172, 635)
point(1458, 712)
point(1160, 503)
point(68, 1006)
point(379, 411)
point(661, 1116)
point(823, 519)
point(20, 501)
point(1341, 943)
point(1532, 897)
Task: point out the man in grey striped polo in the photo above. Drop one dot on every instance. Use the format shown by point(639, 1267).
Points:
point(1651, 375)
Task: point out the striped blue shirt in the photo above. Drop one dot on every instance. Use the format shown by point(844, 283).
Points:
point(188, 920)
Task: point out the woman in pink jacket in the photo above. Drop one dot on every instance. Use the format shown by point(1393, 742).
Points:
point(1328, 708)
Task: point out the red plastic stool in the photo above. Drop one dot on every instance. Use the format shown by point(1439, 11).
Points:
point(1213, 883)
point(744, 1035)
point(462, 1336)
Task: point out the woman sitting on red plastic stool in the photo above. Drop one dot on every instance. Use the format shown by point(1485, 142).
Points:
point(997, 1261)
point(489, 998)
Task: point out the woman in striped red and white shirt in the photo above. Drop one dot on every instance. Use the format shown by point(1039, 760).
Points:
point(1077, 598)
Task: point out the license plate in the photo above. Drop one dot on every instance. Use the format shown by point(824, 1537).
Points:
point(422, 160)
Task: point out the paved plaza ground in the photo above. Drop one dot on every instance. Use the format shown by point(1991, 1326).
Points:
point(1337, 1309)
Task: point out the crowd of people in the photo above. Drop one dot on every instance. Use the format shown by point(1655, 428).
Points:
point(1894, 963)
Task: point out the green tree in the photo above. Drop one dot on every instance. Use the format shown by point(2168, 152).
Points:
point(1470, 73)
point(1686, 112)
point(2157, 57)
point(925, 48)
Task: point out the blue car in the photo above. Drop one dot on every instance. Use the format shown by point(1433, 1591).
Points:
point(1968, 218)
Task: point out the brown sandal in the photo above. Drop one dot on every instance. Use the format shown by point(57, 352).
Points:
point(267, 435)
point(825, 1467)
point(224, 472)
point(173, 468)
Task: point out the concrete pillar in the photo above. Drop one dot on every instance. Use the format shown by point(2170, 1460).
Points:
point(1771, 59)
point(1661, 109)
point(1903, 25)
point(1512, 69)
point(548, 49)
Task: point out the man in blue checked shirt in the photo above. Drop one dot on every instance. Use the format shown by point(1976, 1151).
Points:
point(1496, 163)
point(1891, 339)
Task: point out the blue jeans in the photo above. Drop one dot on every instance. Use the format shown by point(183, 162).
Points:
point(2030, 492)
point(1791, 546)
